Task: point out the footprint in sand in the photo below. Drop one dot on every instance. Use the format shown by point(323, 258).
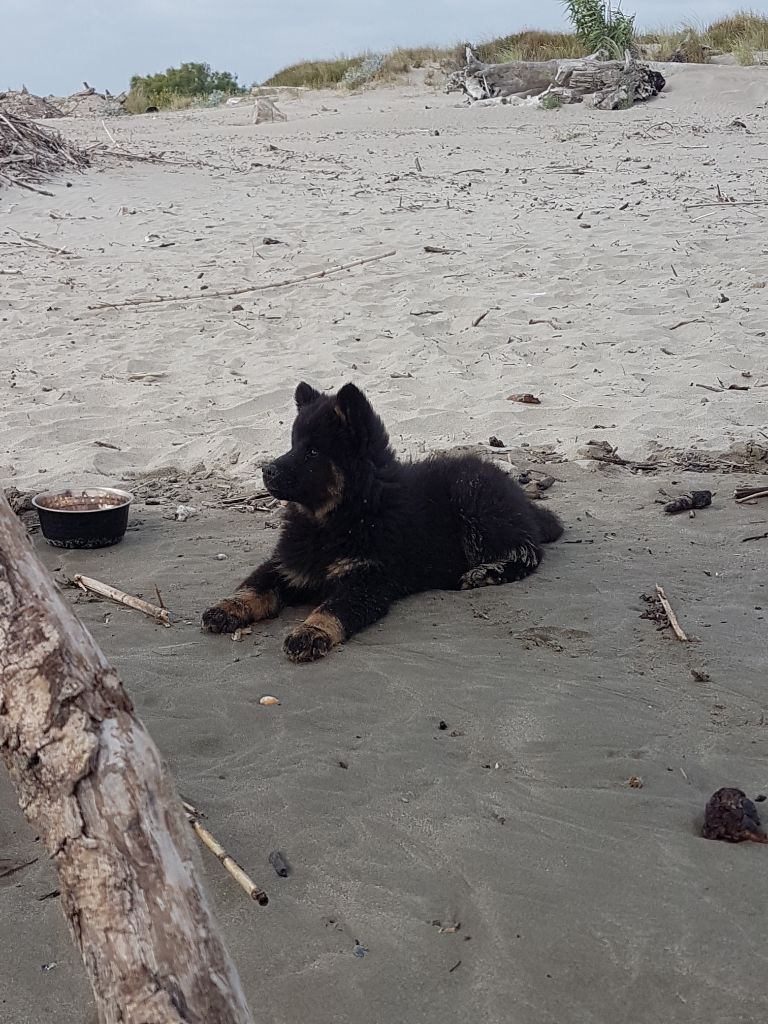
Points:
point(553, 637)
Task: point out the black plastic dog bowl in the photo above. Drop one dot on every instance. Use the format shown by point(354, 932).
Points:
point(92, 518)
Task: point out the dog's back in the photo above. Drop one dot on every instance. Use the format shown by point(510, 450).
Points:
point(462, 512)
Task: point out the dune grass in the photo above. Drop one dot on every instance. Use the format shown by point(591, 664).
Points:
point(531, 44)
point(748, 27)
point(314, 74)
point(687, 41)
point(527, 45)
point(742, 33)
point(322, 74)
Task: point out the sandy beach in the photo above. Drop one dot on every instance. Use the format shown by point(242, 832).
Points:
point(615, 265)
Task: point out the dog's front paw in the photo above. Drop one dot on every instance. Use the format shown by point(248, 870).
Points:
point(241, 609)
point(227, 616)
point(307, 643)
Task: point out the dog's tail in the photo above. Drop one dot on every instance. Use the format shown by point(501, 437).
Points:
point(549, 525)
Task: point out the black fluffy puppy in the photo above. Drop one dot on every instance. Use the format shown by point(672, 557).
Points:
point(362, 529)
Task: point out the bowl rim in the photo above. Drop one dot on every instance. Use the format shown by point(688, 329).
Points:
point(88, 491)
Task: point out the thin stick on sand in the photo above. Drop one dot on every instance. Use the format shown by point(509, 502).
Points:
point(241, 499)
point(678, 629)
point(229, 292)
point(105, 590)
point(109, 135)
point(230, 865)
point(725, 204)
point(25, 184)
point(57, 251)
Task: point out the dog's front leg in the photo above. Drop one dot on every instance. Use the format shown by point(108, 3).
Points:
point(355, 601)
point(261, 596)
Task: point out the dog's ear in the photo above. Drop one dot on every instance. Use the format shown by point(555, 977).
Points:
point(354, 409)
point(305, 395)
point(356, 413)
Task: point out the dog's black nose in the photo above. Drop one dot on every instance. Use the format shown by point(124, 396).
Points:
point(269, 472)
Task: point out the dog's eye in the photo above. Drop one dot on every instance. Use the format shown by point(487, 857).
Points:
point(312, 453)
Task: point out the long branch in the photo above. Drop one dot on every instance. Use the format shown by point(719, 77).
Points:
point(230, 292)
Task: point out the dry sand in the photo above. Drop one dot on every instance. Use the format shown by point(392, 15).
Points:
point(580, 899)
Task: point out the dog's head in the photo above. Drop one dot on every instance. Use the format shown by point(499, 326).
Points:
point(337, 443)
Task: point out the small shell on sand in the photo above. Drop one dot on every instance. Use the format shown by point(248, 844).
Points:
point(269, 700)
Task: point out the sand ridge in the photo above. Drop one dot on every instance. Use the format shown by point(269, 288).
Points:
point(571, 233)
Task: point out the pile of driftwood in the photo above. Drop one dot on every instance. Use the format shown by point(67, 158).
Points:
point(30, 154)
point(23, 103)
point(90, 103)
point(609, 84)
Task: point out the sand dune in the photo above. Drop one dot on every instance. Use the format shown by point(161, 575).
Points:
point(574, 218)
point(613, 283)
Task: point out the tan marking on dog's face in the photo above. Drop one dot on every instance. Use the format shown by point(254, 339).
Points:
point(334, 495)
point(329, 624)
point(333, 498)
point(344, 566)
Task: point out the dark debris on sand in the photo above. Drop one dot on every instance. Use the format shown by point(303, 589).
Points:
point(732, 817)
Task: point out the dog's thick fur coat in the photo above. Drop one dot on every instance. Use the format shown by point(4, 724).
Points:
point(362, 529)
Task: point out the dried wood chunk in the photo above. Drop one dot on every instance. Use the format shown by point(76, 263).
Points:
point(695, 499)
point(732, 817)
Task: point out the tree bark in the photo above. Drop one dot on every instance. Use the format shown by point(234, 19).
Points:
point(91, 782)
point(610, 83)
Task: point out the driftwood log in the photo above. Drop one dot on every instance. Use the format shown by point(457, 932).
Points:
point(91, 782)
point(610, 84)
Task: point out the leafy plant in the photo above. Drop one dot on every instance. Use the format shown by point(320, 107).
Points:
point(600, 26)
point(550, 101)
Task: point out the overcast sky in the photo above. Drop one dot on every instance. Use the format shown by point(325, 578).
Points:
point(52, 45)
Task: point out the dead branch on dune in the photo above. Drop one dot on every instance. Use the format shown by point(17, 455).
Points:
point(92, 783)
point(610, 84)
